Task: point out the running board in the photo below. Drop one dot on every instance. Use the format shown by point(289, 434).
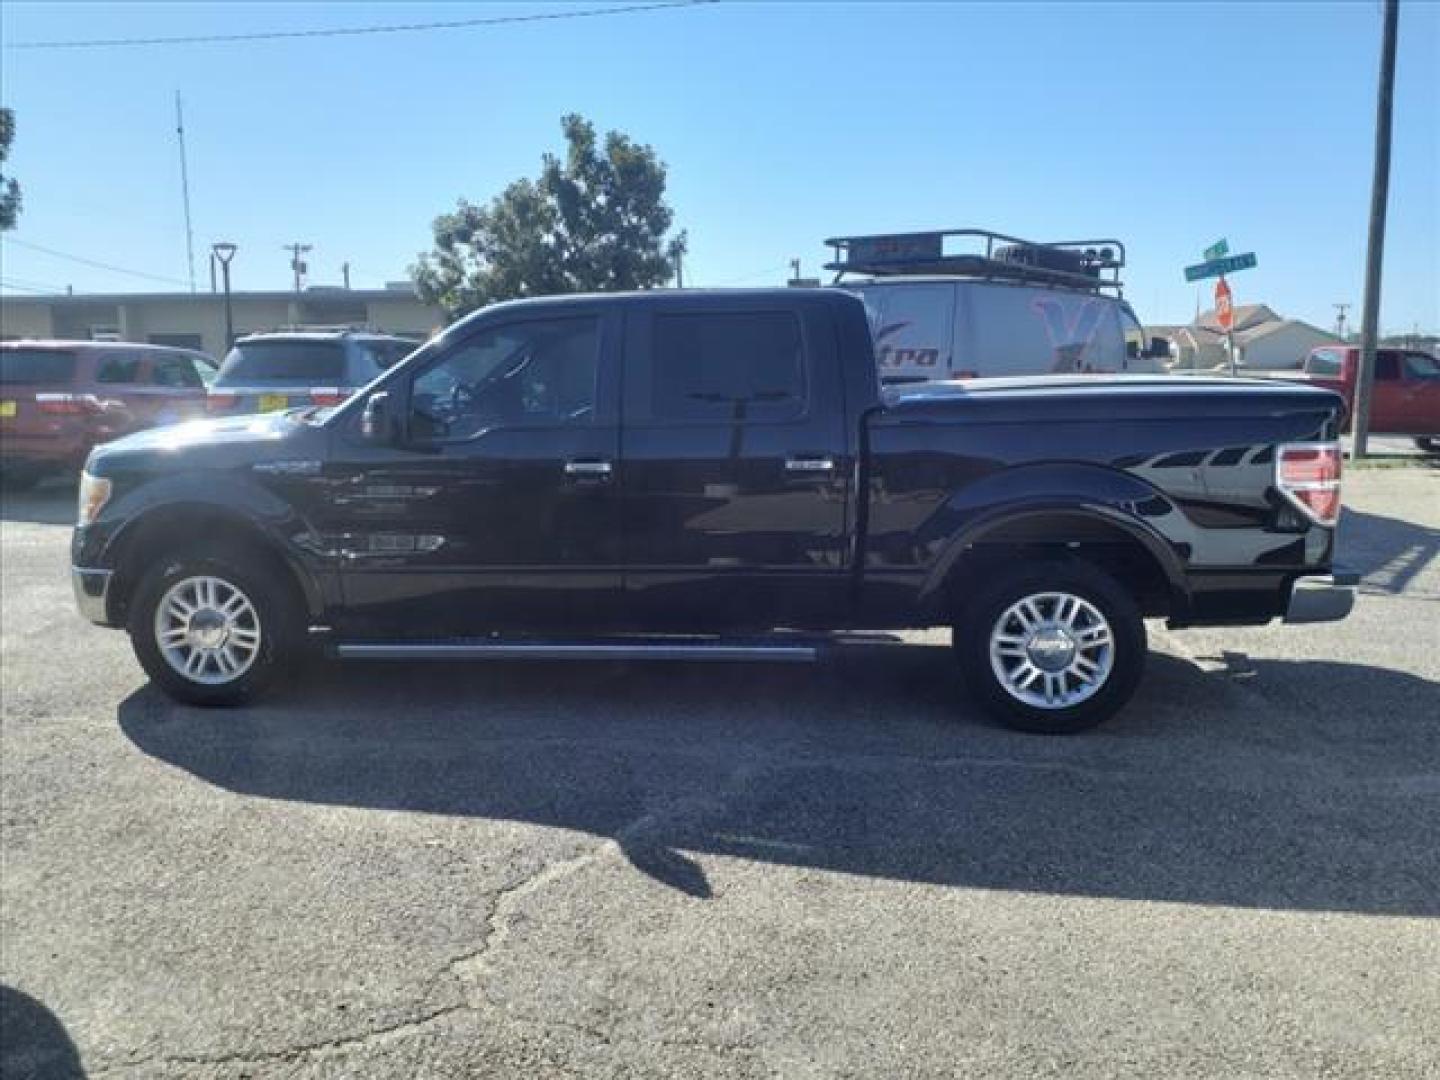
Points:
point(716, 650)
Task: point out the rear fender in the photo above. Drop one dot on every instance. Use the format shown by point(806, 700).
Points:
point(1062, 504)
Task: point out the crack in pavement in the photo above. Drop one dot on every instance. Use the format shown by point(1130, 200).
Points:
point(292, 1054)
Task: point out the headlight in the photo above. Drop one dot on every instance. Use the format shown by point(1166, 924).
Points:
point(94, 494)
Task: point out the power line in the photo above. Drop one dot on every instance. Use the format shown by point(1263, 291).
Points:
point(92, 262)
point(351, 31)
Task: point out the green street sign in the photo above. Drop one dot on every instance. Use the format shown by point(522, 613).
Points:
point(1217, 250)
point(1216, 267)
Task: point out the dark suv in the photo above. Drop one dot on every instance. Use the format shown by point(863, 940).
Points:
point(59, 399)
point(281, 370)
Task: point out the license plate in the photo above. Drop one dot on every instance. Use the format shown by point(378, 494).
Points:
point(7, 408)
point(274, 402)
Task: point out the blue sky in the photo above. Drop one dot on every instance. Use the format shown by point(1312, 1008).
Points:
point(1167, 125)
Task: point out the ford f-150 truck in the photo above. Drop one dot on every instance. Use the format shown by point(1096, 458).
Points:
point(714, 475)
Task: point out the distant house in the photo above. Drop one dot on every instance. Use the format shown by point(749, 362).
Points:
point(1263, 340)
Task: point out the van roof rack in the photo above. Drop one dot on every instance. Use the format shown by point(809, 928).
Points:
point(1090, 265)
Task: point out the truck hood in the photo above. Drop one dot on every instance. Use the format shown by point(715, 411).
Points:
point(235, 440)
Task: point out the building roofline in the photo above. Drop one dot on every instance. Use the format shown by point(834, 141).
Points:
point(280, 294)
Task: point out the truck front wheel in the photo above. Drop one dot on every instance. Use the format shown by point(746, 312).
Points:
point(1053, 648)
point(210, 629)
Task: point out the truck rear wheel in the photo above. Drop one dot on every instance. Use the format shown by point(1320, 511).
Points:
point(210, 629)
point(1054, 648)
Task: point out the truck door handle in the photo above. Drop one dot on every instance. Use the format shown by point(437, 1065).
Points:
point(591, 470)
point(816, 464)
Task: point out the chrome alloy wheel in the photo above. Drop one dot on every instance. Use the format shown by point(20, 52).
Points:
point(1052, 650)
point(207, 630)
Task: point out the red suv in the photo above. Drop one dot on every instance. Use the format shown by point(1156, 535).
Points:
point(60, 398)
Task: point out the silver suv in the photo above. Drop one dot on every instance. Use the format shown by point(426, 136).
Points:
point(287, 369)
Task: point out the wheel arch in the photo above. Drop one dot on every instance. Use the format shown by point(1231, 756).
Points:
point(1122, 546)
point(176, 526)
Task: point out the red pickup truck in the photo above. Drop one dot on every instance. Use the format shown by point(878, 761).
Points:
point(1406, 397)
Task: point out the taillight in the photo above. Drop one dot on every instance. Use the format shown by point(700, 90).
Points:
point(1308, 475)
point(324, 397)
point(71, 404)
point(220, 402)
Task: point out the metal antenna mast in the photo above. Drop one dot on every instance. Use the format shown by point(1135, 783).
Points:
point(185, 190)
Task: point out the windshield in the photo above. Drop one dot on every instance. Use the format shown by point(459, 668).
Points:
point(286, 363)
point(36, 366)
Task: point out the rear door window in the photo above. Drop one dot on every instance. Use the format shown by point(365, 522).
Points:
point(174, 371)
point(36, 367)
point(118, 369)
point(381, 355)
point(1387, 366)
point(1420, 365)
point(284, 363)
point(728, 366)
point(1324, 362)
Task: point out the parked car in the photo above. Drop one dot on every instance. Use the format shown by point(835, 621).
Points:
point(1405, 399)
point(677, 475)
point(999, 306)
point(280, 370)
point(59, 399)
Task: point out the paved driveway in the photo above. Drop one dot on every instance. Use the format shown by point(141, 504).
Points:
point(634, 870)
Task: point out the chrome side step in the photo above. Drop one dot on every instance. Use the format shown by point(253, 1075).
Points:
point(661, 649)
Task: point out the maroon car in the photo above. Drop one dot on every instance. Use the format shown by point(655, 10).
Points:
point(60, 398)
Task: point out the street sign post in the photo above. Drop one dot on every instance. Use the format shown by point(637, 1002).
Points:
point(1217, 250)
point(1215, 267)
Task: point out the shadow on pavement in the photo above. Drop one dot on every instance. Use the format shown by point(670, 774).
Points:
point(51, 502)
point(1201, 792)
point(1389, 553)
point(33, 1043)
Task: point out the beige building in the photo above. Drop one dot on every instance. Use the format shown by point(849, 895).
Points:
point(197, 320)
point(1264, 341)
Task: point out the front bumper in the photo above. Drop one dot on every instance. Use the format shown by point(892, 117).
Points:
point(1322, 597)
point(92, 592)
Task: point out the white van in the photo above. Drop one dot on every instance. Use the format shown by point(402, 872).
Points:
point(1016, 308)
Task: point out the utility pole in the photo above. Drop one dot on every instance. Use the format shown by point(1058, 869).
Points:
point(297, 264)
point(679, 267)
point(185, 192)
point(1340, 310)
point(1375, 250)
point(345, 273)
point(795, 269)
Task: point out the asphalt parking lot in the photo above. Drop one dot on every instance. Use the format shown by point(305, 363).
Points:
point(635, 871)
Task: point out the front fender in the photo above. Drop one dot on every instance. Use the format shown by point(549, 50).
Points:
point(207, 509)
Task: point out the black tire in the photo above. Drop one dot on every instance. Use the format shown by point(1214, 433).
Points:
point(275, 611)
point(1428, 445)
point(1126, 656)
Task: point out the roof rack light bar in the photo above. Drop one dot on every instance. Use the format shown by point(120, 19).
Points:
point(1082, 264)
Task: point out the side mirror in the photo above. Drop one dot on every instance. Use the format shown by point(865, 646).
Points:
point(377, 422)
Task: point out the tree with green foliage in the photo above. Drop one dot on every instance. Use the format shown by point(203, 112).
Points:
point(596, 221)
point(9, 189)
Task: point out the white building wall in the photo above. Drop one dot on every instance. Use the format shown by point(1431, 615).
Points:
point(1285, 348)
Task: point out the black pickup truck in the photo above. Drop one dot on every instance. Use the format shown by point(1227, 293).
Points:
point(714, 475)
